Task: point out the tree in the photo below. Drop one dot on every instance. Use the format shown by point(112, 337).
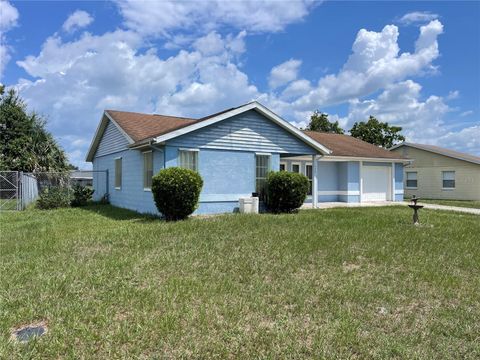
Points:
point(319, 122)
point(25, 143)
point(377, 133)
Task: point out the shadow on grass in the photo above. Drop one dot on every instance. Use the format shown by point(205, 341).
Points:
point(116, 213)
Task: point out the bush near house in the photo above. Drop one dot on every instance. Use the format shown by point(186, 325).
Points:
point(176, 192)
point(81, 195)
point(54, 197)
point(286, 191)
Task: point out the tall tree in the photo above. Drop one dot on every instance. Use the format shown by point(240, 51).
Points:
point(377, 133)
point(319, 122)
point(25, 144)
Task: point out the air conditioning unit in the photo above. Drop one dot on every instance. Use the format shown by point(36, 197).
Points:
point(248, 205)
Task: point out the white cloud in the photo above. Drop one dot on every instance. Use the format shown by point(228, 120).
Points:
point(164, 17)
point(466, 113)
point(466, 140)
point(78, 20)
point(8, 19)
point(284, 73)
point(417, 17)
point(374, 64)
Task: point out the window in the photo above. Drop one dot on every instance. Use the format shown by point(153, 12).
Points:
point(448, 179)
point(309, 174)
point(296, 168)
point(283, 166)
point(412, 179)
point(118, 173)
point(147, 169)
point(188, 159)
point(262, 166)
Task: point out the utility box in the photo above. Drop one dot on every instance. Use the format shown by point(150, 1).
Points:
point(248, 205)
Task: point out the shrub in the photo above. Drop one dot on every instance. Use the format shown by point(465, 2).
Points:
point(286, 191)
point(54, 197)
point(176, 192)
point(81, 195)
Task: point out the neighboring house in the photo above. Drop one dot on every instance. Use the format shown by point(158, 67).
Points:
point(233, 151)
point(438, 173)
point(81, 177)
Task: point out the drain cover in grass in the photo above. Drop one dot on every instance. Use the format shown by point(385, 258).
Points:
point(28, 332)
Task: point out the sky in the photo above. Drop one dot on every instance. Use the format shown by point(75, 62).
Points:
point(411, 64)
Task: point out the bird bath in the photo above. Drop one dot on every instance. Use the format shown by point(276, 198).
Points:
point(415, 208)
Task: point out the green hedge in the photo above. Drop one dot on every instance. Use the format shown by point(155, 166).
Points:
point(176, 192)
point(54, 197)
point(286, 191)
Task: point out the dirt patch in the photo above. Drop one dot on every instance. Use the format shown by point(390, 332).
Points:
point(26, 332)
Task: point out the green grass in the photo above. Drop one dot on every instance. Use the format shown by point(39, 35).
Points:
point(461, 203)
point(338, 283)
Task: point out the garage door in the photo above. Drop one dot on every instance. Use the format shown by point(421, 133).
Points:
point(376, 183)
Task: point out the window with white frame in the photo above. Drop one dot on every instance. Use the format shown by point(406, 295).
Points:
point(309, 175)
point(296, 168)
point(147, 169)
point(448, 179)
point(188, 159)
point(411, 179)
point(283, 166)
point(262, 167)
point(118, 173)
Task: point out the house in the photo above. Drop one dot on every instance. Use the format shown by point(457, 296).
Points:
point(438, 173)
point(233, 151)
point(81, 177)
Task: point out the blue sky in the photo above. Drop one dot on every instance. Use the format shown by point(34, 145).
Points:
point(413, 64)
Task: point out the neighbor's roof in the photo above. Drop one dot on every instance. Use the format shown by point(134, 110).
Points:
point(345, 145)
point(442, 151)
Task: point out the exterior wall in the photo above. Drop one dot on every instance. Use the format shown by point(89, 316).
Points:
point(398, 180)
point(112, 141)
point(249, 131)
point(429, 167)
point(131, 195)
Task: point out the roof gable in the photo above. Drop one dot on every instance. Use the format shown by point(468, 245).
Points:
point(441, 151)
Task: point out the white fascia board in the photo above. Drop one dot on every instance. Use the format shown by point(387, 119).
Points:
point(99, 132)
point(345, 158)
point(252, 105)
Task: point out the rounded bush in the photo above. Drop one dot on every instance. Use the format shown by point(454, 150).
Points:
point(286, 191)
point(176, 192)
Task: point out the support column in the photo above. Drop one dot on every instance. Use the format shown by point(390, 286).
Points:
point(361, 180)
point(314, 182)
point(393, 181)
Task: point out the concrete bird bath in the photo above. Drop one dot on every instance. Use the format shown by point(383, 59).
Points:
point(415, 208)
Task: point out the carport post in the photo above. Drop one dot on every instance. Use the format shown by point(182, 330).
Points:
point(315, 181)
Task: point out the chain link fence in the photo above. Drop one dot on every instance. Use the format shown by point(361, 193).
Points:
point(19, 189)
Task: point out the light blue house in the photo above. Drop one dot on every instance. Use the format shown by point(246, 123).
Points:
point(233, 150)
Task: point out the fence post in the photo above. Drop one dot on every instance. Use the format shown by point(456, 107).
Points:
point(20, 192)
point(106, 180)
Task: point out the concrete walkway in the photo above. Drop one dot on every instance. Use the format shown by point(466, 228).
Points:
point(330, 205)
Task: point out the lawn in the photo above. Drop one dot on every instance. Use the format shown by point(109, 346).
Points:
point(460, 203)
point(337, 283)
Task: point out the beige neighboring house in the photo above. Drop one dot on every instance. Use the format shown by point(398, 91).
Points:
point(438, 173)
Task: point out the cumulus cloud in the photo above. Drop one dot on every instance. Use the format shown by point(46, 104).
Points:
point(417, 17)
point(8, 19)
point(284, 73)
point(78, 20)
point(164, 17)
point(375, 62)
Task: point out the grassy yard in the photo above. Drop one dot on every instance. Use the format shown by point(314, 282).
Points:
point(338, 283)
point(461, 203)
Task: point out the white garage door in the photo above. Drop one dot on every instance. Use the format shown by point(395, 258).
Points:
point(376, 183)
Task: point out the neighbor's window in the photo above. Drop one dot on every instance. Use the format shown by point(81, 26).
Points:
point(448, 179)
point(147, 169)
point(411, 179)
point(283, 167)
point(118, 173)
point(188, 159)
point(309, 174)
point(296, 168)
point(262, 166)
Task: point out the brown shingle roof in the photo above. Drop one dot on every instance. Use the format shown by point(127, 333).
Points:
point(144, 126)
point(345, 145)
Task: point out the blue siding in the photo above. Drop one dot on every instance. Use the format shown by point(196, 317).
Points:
point(249, 131)
point(131, 195)
point(399, 181)
point(112, 141)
